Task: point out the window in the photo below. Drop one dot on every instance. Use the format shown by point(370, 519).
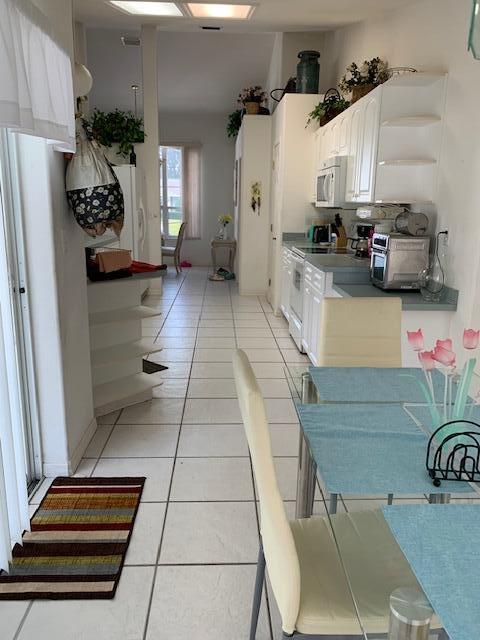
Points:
point(171, 190)
point(180, 189)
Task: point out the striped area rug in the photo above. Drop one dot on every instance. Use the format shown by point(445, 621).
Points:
point(77, 543)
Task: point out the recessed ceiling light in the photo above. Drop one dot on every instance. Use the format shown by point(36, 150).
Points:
point(225, 11)
point(147, 8)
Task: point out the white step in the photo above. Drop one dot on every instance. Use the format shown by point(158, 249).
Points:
point(124, 392)
point(123, 351)
point(122, 315)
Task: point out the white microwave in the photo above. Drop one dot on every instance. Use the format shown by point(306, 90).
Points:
point(331, 183)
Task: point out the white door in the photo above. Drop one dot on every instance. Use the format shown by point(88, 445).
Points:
point(275, 230)
point(286, 280)
point(315, 323)
point(368, 148)
point(307, 317)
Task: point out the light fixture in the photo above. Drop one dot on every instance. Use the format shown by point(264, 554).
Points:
point(147, 8)
point(222, 11)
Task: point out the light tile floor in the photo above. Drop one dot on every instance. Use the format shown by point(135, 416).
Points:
point(190, 568)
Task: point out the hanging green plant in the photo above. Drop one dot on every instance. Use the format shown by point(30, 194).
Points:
point(116, 127)
point(234, 123)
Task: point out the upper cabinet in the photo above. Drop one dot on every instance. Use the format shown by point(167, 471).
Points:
point(392, 139)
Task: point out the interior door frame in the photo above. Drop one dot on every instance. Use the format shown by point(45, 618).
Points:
point(13, 230)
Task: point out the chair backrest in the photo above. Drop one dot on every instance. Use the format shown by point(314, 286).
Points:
point(360, 332)
point(181, 233)
point(278, 543)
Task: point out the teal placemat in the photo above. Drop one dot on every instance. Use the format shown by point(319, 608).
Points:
point(440, 544)
point(369, 384)
point(369, 449)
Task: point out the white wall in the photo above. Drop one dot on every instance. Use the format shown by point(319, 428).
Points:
point(432, 35)
point(284, 59)
point(198, 72)
point(58, 287)
point(218, 153)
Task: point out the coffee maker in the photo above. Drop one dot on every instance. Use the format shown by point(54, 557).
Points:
point(361, 244)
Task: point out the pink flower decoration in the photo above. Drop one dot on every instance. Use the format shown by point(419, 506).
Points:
point(444, 356)
point(427, 361)
point(471, 338)
point(445, 344)
point(415, 339)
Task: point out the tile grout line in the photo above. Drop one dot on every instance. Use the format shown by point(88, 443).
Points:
point(159, 550)
point(256, 507)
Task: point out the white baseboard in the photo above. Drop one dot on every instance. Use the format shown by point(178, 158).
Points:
point(77, 455)
point(53, 469)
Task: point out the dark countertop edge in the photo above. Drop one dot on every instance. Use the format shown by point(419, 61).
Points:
point(134, 278)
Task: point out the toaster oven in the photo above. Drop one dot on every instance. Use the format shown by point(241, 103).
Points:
point(397, 260)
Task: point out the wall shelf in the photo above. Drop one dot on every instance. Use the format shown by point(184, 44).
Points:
point(403, 201)
point(407, 162)
point(123, 392)
point(117, 346)
point(122, 315)
point(411, 121)
point(126, 351)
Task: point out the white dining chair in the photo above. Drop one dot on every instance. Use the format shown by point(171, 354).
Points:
point(174, 252)
point(306, 574)
point(360, 332)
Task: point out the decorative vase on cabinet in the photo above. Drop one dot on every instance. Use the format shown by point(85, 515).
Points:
point(308, 72)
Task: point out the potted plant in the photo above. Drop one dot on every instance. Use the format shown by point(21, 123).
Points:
point(361, 80)
point(116, 127)
point(333, 104)
point(252, 98)
point(234, 123)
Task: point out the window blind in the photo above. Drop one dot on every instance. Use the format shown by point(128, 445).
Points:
point(36, 85)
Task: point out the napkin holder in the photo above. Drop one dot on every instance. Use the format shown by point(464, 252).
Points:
point(453, 452)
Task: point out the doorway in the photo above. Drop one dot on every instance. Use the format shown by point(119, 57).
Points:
point(15, 314)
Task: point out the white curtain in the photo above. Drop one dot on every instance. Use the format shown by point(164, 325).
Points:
point(36, 85)
point(192, 190)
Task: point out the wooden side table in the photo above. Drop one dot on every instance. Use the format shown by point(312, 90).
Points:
point(231, 245)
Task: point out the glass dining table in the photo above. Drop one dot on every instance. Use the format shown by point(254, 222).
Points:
point(364, 434)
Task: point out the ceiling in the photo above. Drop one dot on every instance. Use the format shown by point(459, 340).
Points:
point(270, 15)
point(198, 72)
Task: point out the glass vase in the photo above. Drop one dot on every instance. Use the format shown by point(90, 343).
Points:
point(432, 279)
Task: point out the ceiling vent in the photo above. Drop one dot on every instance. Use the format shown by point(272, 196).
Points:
point(130, 41)
point(211, 28)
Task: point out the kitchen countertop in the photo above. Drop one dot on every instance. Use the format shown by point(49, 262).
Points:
point(411, 300)
point(351, 278)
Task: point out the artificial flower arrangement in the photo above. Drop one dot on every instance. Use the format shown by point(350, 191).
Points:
point(225, 219)
point(361, 80)
point(252, 94)
point(442, 357)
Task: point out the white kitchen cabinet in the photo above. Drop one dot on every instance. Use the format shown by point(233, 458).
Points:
point(343, 133)
point(286, 282)
point(367, 149)
point(392, 139)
